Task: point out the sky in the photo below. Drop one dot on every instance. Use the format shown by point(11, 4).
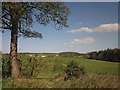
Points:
point(93, 27)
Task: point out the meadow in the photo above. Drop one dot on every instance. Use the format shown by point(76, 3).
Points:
point(48, 72)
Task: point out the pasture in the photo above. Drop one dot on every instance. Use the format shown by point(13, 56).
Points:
point(48, 72)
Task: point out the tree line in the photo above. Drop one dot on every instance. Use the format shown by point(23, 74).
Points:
point(112, 55)
point(69, 54)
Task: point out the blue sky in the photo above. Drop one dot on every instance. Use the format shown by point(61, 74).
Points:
point(93, 26)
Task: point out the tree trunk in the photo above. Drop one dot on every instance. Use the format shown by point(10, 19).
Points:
point(13, 48)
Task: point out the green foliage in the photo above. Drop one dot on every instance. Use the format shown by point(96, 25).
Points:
point(49, 73)
point(18, 17)
point(27, 13)
point(73, 70)
point(56, 65)
point(112, 55)
point(6, 67)
point(69, 54)
point(29, 66)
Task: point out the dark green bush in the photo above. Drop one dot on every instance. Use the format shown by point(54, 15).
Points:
point(6, 67)
point(27, 66)
point(73, 70)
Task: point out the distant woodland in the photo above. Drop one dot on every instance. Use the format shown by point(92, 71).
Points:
point(112, 55)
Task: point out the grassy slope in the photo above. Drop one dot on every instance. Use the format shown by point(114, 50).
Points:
point(51, 74)
point(55, 65)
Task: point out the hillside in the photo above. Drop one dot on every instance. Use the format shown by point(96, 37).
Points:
point(49, 72)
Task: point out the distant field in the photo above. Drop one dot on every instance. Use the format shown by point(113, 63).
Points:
point(51, 68)
point(59, 63)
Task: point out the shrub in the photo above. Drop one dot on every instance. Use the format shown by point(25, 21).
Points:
point(6, 68)
point(29, 67)
point(73, 70)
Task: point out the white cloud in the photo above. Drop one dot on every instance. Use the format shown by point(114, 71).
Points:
point(101, 28)
point(80, 41)
point(83, 29)
point(107, 27)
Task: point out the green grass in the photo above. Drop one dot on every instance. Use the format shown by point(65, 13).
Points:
point(85, 81)
point(50, 73)
point(91, 66)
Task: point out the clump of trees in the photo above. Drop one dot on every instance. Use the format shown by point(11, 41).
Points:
point(69, 54)
point(73, 70)
point(112, 55)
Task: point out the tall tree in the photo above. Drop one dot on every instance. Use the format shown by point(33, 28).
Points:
point(18, 18)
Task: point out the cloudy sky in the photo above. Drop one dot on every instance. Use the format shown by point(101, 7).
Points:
point(93, 26)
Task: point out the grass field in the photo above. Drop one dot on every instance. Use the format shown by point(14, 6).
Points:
point(85, 81)
point(50, 73)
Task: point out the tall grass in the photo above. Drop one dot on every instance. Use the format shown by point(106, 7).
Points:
point(85, 81)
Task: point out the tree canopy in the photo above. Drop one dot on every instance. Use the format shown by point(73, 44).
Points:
point(28, 13)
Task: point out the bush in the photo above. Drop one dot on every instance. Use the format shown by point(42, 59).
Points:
point(28, 67)
point(6, 68)
point(73, 70)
